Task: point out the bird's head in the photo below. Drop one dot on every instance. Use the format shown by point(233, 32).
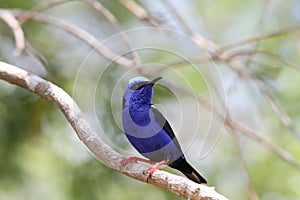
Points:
point(139, 91)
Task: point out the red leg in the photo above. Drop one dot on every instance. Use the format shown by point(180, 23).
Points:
point(154, 167)
point(150, 170)
point(135, 160)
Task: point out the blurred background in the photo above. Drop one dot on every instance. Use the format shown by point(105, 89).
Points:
point(230, 90)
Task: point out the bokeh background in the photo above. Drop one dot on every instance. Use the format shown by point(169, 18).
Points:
point(234, 106)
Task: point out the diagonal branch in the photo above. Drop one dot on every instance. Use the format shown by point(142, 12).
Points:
point(138, 11)
point(15, 26)
point(236, 126)
point(259, 37)
point(281, 153)
point(176, 184)
point(85, 36)
point(201, 41)
point(113, 20)
point(27, 15)
point(251, 191)
point(280, 112)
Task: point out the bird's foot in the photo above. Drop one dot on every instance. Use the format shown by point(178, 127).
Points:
point(135, 160)
point(150, 170)
point(154, 167)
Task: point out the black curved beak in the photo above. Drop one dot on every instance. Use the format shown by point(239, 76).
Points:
point(154, 81)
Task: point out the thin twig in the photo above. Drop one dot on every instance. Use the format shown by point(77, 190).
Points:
point(237, 54)
point(260, 27)
point(236, 66)
point(228, 57)
point(281, 153)
point(282, 115)
point(31, 14)
point(138, 11)
point(280, 58)
point(83, 35)
point(259, 37)
point(176, 184)
point(201, 41)
point(186, 28)
point(251, 191)
point(244, 129)
point(15, 27)
point(27, 15)
point(113, 20)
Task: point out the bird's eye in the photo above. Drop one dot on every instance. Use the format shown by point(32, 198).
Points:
point(138, 86)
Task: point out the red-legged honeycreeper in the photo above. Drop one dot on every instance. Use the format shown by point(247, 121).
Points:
point(149, 131)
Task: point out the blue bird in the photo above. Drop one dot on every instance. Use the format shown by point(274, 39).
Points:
point(149, 131)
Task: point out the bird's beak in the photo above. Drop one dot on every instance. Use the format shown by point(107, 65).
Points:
point(154, 81)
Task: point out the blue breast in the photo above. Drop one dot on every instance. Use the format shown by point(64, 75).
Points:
point(150, 139)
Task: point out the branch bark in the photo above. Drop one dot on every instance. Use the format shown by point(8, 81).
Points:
point(15, 27)
point(176, 184)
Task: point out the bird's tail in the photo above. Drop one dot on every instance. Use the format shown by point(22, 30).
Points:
point(194, 176)
point(182, 165)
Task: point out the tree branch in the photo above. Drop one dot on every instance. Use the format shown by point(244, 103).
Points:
point(138, 11)
point(78, 32)
point(201, 41)
point(176, 184)
point(236, 126)
point(27, 15)
point(15, 27)
point(259, 37)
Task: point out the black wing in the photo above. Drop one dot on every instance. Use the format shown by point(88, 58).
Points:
point(165, 124)
point(180, 164)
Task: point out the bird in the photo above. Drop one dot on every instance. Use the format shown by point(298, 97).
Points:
point(150, 133)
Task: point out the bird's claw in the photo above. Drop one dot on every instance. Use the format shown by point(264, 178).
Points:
point(135, 160)
point(153, 168)
point(128, 160)
point(155, 165)
point(149, 171)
